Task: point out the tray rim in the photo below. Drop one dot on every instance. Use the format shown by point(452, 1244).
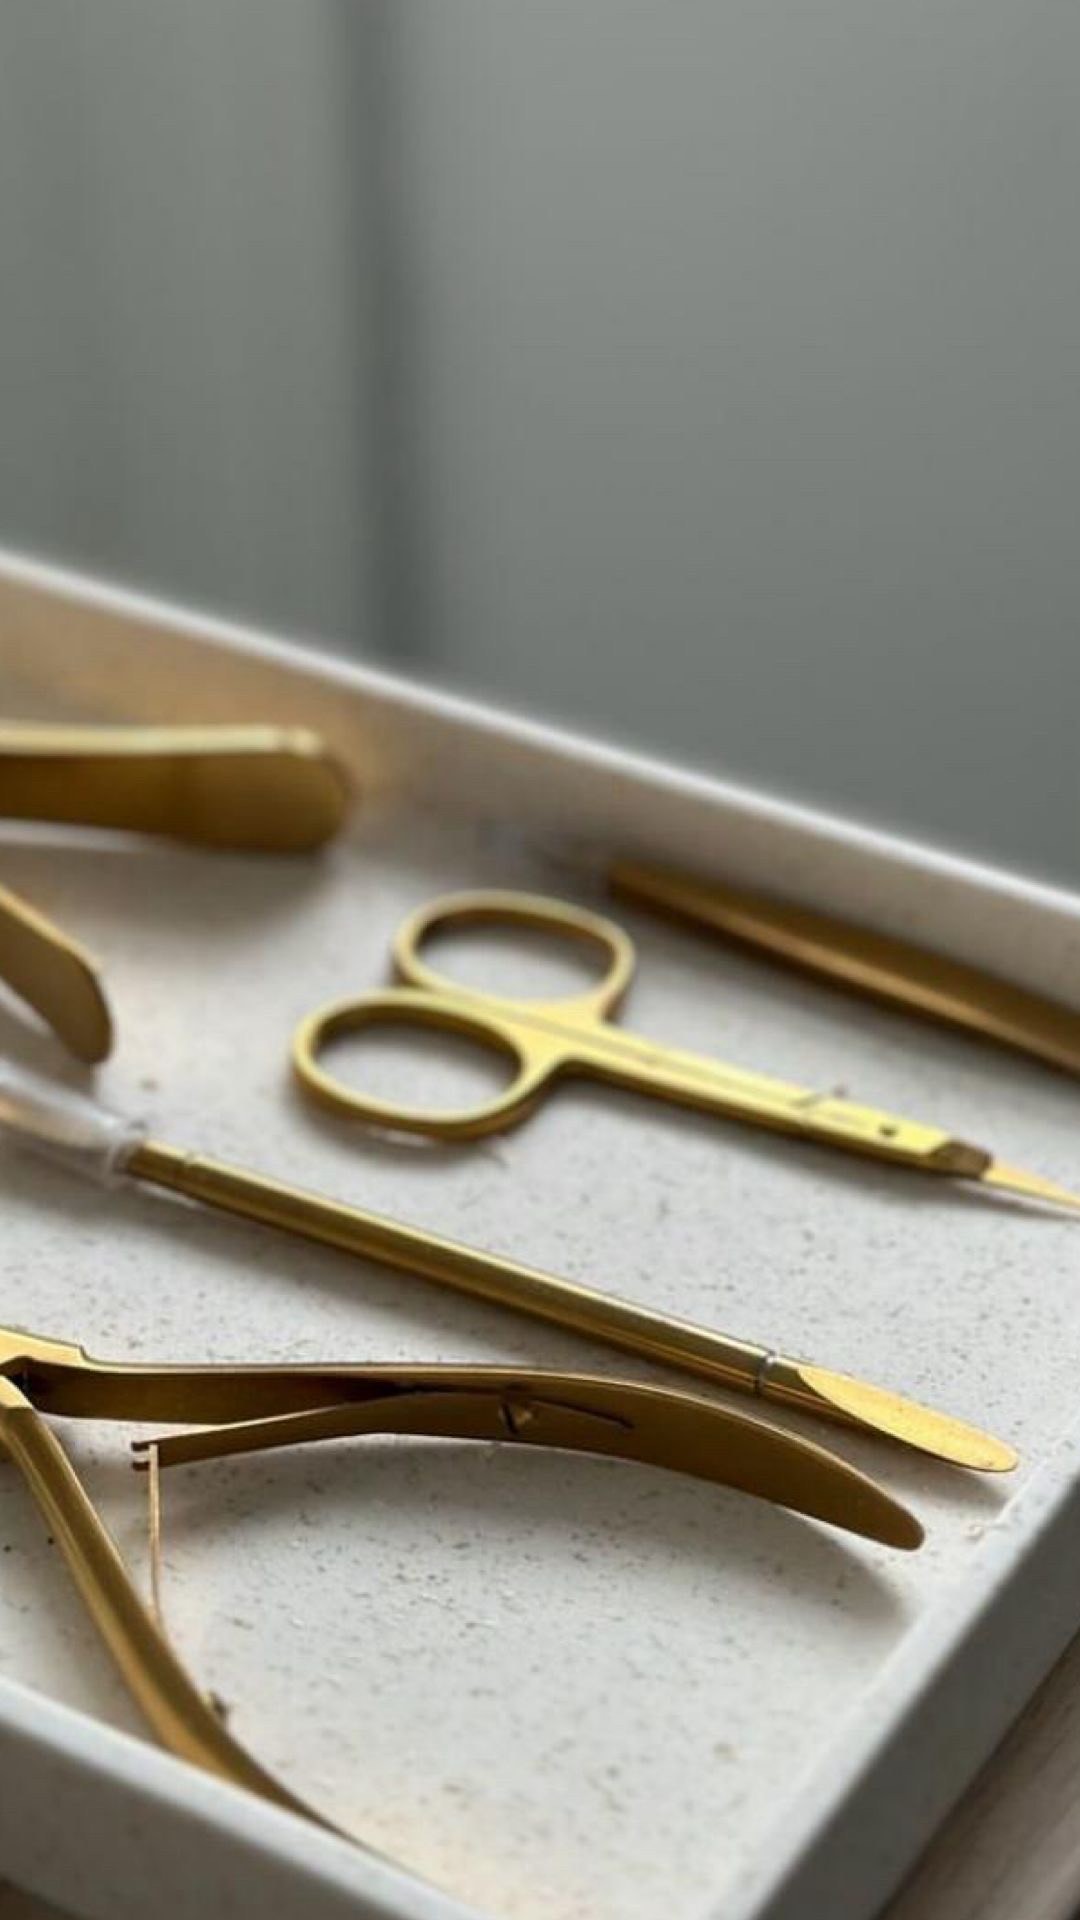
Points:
point(836, 1853)
point(427, 704)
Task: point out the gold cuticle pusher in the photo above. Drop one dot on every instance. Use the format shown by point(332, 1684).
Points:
point(248, 788)
point(85, 1136)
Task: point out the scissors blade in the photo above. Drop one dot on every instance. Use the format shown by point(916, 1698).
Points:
point(1029, 1186)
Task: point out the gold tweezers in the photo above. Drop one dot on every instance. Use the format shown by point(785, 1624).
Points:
point(261, 789)
point(878, 965)
point(251, 1408)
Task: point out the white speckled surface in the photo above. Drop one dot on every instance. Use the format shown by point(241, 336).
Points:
point(557, 1688)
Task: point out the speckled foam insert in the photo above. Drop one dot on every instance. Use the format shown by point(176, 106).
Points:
point(556, 1687)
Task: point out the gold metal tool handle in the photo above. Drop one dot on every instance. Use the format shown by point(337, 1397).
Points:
point(579, 1413)
point(531, 1064)
point(658, 1337)
point(183, 1719)
point(62, 1379)
point(583, 1413)
point(467, 1269)
point(312, 1216)
point(537, 913)
point(538, 1038)
point(878, 965)
point(56, 976)
point(265, 789)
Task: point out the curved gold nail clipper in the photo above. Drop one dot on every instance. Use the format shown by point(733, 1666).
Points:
point(257, 789)
point(106, 1147)
point(545, 1040)
point(247, 1409)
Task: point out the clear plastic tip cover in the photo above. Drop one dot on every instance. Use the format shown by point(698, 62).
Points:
point(65, 1126)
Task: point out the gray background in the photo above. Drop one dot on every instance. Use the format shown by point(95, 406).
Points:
point(708, 374)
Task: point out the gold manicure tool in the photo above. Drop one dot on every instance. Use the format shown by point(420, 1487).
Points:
point(259, 789)
point(894, 972)
point(107, 1147)
point(875, 964)
point(251, 1408)
point(545, 1040)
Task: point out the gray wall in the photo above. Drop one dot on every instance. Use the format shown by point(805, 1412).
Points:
point(707, 373)
point(184, 333)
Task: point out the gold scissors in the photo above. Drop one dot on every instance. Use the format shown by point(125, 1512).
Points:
point(264, 789)
point(251, 1408)
point(546, 1040)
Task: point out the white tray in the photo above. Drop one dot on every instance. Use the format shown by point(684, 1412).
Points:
point(555, 1687)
